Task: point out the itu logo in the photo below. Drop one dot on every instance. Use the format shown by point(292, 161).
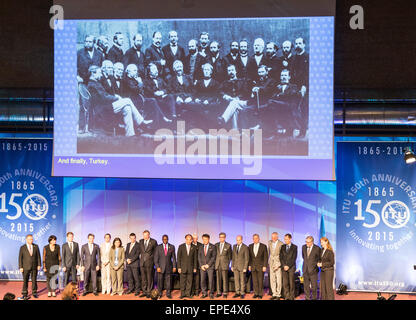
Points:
point(395, 214)
point(35, 206)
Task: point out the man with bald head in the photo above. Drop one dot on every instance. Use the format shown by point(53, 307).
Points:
point(155, 55)
point(134, 55)
point(257, 59)
point(239, 267)
point(173, 51)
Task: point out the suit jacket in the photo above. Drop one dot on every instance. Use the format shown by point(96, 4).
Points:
point(228, 59)
point(240, 259)
point(27, 261)
point(258, 262)
point(235, 88)
point(208, 259)
point(252, 66)
point(70, 259)
point(183, 90)
point(165, 262)
point(209, 92)
point(242, 70)
point(150, 87)
point(153, 55)
point(219, 68)
point(222, 261)
point(105, 254)
point(84, 62)
point(274, 255)
point(90, 260)
point(170, 57)
point(195, 72)
point(115, 54)
point(108, 84)
point(310, 263)
point(134, 255)
point(121, 258)
point(300, 68)
point(134, 90)
point(275, 65)
point(266, 90)
point(198, 246)
point(147, 254)
point(288, 95)
point(288, 258)
point(187, 263)
point(131, 57)
point(327, 259)
point(101, 100)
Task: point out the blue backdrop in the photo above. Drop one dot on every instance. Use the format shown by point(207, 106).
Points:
point(30, 199)
point(376, 206)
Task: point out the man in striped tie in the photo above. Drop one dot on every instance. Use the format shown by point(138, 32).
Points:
point(165, 262)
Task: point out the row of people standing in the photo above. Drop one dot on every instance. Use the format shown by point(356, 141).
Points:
point(293, 56)
point(195, 262)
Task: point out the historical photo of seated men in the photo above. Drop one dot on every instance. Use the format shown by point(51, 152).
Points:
point(143, 80)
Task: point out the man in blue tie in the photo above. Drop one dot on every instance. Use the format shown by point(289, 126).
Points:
point(165, 262)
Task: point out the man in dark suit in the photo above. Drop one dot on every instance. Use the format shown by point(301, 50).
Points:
point(193, 61)
point(283, 102)
point(71, 258)
point(242, 60)
point(222, 264)
point(234, 93)
point(257, 59)
point(187, 263)
point(173, 51)
point(156, 87)
point(257, 265)
point(29, 265)
point(86, 57)
point(107, 80)
point(239, 266)
point(118, 78)
point(206, 258)
point(155, 55)
point(311, 255)
point(116, 54)
point(217, 62)
point(232, 56)
point(286, 60)
point(165, 262)
point(135, 56)
point(91, 263)
point(147, 248)
point(203, 47)
point(272, 60)
point(132, 258)
point(196, 282)
point(288, 255)
point(103, 45)
point(181, 87)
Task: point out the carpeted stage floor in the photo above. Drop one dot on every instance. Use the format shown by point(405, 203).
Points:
point(16, 286)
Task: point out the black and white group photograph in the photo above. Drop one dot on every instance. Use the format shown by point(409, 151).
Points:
point(141, 81)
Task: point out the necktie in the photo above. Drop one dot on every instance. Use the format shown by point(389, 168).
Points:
point(187, 249)
point(205, 250)
point(90, 246)
point(71, 248)
point(145, 245)
point(221, 248)
point(30, 250)
point(166, 250)
point(287, 248)
point(238, 249)
point(309, 251)
point(131, 247)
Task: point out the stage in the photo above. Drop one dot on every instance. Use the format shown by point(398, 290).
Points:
point(16, 286)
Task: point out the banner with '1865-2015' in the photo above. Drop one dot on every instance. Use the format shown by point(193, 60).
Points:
point(30, 200)
point(376, 206)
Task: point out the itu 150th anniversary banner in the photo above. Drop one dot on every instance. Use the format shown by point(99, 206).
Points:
point(30, 200)
point(376, 206)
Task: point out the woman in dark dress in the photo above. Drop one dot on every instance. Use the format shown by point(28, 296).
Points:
point(51, 263)
point(327, 270)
